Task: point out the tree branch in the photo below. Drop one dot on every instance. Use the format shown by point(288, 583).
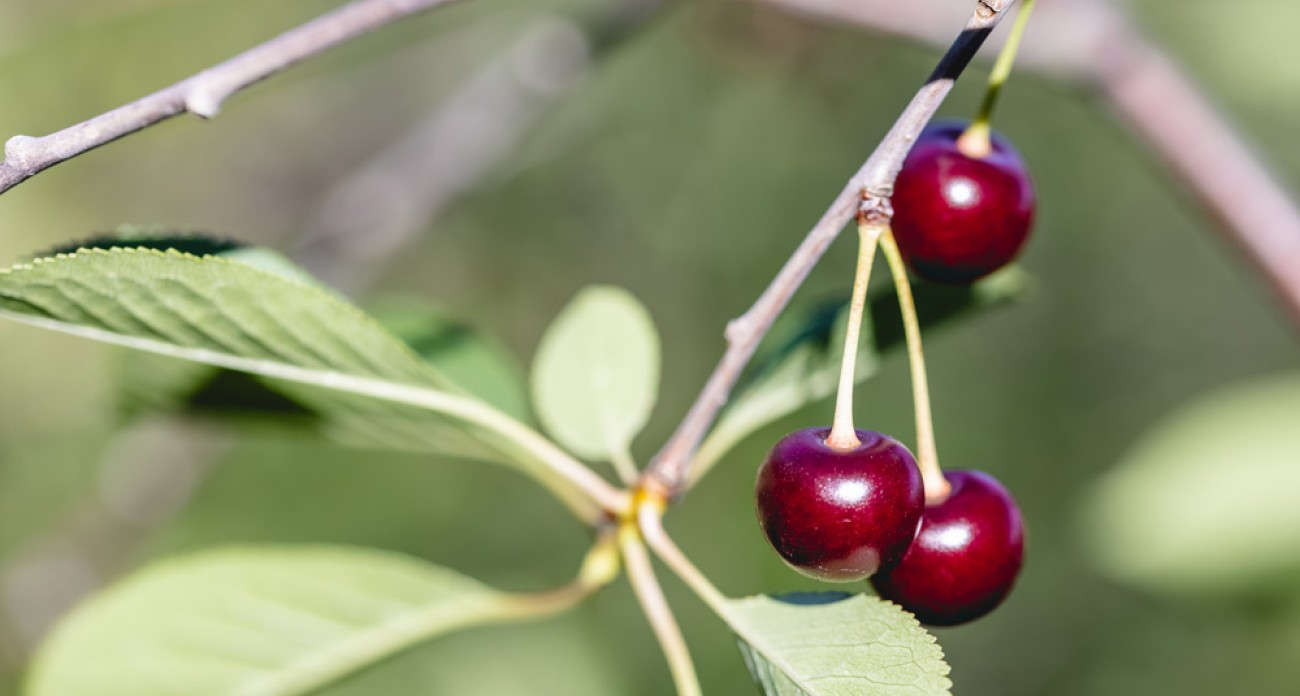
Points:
point(1176, 121)
point(1091, 42)
point(204, 93)
point(867, 191)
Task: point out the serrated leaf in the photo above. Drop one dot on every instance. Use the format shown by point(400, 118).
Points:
point(466, 357)
point(1204, 503)
point(155, 383)
point(148, 237)
point(262, 622)
point(322, 351)
point(805, 369)
point(596, 373)
point(836, 644)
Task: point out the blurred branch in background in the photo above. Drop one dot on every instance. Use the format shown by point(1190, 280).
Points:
point(369, 216)
point(204, 93)
point(150, 472)
point(375, 212)
point(1092, 42)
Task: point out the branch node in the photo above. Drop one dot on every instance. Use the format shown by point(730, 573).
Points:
point(985, 10)
point(876, 209)
point(20, 151)
point(203, 101)
point(736, 328)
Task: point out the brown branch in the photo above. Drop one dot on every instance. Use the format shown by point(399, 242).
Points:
point(1063, 37)
point(868, 190)
point(1180, 125)
point(1093, 43)
point(204, 93)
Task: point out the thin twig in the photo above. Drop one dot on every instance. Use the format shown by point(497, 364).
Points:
point(872, 183)
point(1093, 43)
point(204, 93)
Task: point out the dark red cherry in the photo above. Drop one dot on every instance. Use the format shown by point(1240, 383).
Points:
point(839, 515)
point(965, 557)
point(956, 217)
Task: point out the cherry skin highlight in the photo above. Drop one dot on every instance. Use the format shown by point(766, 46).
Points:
point(958, 218)
point(839, 515)
point(966, 555)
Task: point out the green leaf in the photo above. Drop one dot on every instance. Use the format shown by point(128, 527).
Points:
point(322, 351)
point(473, 360)
point(263, 622)
point(805, 369)
point(154, 383)
point(463, 355)
point(1205, 502)
point(596, 373)
point(836, 644)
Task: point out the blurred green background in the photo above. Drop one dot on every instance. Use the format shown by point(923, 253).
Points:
point(686, 165)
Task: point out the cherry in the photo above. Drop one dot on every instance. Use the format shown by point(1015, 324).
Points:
point(839, 514)
point(965, 557)
point(959, 217)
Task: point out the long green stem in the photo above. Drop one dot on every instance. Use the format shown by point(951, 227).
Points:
point(842, 434)
point(641, 573)
point(975, 142)
point(927, 455)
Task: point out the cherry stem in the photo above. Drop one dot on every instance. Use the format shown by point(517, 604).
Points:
point(641, 574)
point(843, 436)
point(976, 141)
point(927, 455)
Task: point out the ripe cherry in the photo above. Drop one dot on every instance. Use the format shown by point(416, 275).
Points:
point(839, 514)
point(959, 216)
point(965, 557)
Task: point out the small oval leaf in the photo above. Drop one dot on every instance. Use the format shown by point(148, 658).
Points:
point(1204, 503)
point(596, 373)
point(836, 644)
point(261, 622)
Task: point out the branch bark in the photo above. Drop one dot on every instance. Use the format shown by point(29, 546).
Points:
point(203, 93)
point(866, 193)
point(1091, 42)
